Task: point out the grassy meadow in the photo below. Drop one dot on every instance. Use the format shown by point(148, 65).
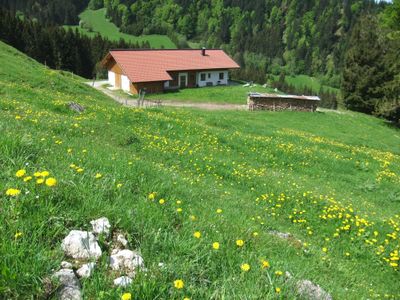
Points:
point(100, 24)
point(232, 94)
point(161, 175)
point(301, 81)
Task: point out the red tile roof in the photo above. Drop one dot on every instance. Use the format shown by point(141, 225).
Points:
point(153, 65)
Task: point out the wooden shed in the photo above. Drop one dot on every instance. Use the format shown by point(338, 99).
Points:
point(275, 102)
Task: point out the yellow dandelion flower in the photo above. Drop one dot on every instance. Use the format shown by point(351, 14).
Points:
point(37, 174)
point(119, 185)
point(197, 234)
point(98, 176)
point(40, 181)
point(265, 264)
point(219, 211)
point(152, 196)
point(240, 243)
point(179, 210)
point(18, 235)
point(278, 273)
point(278, 290)
point(215, 245)
point(27, 178)
point(324, 249)
point(179, 284)
point(186, 298)
point(179, 202)
point(44, 174)
point(79, 170)
point(193, 218)
point(126, 296)
point(255, 234)
point(51, 181)
point(245, 267)
point(161, 201)
point(20, 173)
point(13, 192)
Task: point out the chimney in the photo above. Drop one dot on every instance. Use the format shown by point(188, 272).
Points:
point(203, 51)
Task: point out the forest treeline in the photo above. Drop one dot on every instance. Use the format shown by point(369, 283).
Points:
point(54, 12)
point(298, 37)
point(57, 47)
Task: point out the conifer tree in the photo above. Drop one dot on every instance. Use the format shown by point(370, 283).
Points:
point(364, 71)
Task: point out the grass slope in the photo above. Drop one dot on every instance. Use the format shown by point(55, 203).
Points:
point(301, 81)
point(331, 180)
point(100, 24)
point(235, 94)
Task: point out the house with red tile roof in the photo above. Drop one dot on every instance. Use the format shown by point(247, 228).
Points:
point(156, 71)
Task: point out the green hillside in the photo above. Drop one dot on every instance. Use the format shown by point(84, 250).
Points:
point(329, 179)
point(305, 81)
point(98, 22)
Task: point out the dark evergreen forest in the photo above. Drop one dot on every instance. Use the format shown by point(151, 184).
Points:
point(298, 37)
point(60, 12)
point(56, 47)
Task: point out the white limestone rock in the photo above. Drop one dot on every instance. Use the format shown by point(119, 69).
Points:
point(311, 291)
point(70, 288)
point(81, 245)
point(86, 270)
point(66, 265)
point(282, 235)
point(121, 240)
point(126, 260)
point(122, 281)
point(101, 226)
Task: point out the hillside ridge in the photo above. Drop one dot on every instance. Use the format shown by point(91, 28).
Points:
point(204, 197)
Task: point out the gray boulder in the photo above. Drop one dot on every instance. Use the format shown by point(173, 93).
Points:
point(122, 281)
point(101, 226)
point(81, 245)
point(66, 265)
point(311, 291)
point(69, 288)
point(126, 261)
point(86, 270)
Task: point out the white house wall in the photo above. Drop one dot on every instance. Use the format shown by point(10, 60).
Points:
point(214, 78)
point(111, 78)
point(125, 83)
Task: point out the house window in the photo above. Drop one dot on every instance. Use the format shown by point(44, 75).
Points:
point(209, 75)
point(203, 77)
point(221, 76)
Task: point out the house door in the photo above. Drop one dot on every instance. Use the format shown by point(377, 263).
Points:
point(118, 81)
point(183, 79)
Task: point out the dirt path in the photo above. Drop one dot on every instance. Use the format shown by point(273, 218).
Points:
point(98, 85)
